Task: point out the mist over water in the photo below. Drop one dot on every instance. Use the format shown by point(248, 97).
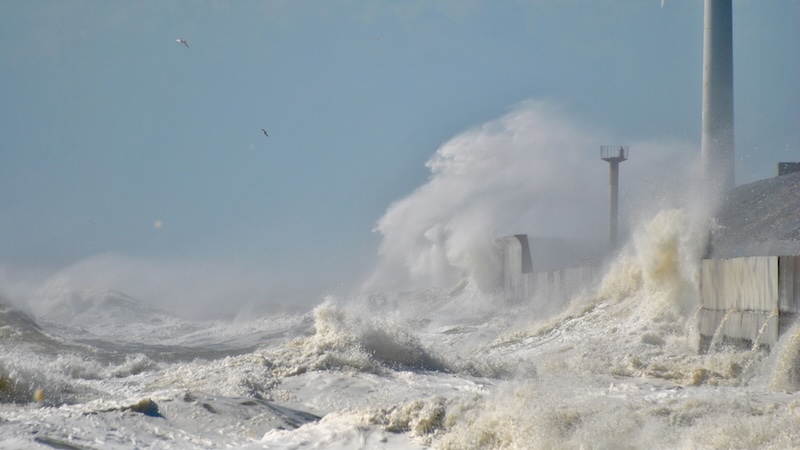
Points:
point(193, 289)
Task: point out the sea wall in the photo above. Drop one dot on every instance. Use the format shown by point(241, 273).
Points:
point(558, 286)
point(516, 266)
point(749, 299)
point(521, 282)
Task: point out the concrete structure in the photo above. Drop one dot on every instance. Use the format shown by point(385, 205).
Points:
point(521, 282)
point(717, 144)
point(613, 154)
point(516, 265)
point(749, 300)
point(750, 285)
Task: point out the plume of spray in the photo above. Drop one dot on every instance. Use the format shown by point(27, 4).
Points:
point(532, 170)
point(535, 170)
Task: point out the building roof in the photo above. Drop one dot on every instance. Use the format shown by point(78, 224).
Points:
point(759, 219)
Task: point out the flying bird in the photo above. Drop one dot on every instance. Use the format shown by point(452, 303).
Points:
point(182, 41)
point(265, 132)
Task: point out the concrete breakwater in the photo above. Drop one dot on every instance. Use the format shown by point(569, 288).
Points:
point(749, 280)
point(521, 282)
point(749, 299)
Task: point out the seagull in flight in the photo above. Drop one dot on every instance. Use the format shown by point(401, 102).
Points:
point(265, 132)
point(182, 41)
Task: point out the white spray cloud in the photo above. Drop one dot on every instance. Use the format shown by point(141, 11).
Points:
point(532, 171)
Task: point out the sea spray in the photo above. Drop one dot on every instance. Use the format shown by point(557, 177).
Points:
point(491, 180)
point(642, 310)
point(786, 372)
point(346, 338)
point(651, 286)
point(664, 256)
point(718, 335)
point(248, 375)
point(20, 378)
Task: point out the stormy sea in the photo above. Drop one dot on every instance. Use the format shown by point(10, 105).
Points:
point(403, 365)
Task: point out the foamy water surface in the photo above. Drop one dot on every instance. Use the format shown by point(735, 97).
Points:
point(457, 368)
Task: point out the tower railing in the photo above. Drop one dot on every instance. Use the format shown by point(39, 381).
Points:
point(614, 152)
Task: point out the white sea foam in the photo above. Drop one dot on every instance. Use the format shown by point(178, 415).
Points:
point(439, 368)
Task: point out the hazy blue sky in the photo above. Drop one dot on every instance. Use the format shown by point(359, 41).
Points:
point(122, 147)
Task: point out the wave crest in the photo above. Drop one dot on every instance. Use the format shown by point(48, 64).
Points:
point(353, 340)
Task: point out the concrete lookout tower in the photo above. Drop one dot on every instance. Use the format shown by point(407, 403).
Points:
point(717, 149)
point(613, 154)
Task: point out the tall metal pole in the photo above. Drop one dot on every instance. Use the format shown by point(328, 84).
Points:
point(613, 155)
point(717, 144)
point(613, 202)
